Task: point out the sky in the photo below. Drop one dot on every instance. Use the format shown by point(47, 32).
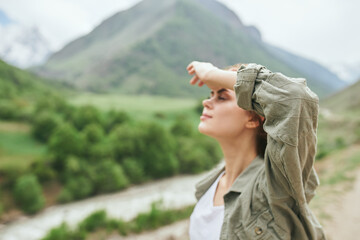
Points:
point(326, 31)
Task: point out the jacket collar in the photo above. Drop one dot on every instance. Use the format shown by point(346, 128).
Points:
point(239, 184)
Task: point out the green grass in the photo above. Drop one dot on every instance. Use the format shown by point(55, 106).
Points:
point(18, 149)
point(133, 103)
point(98, 221)
point(347, 99)
point(141, 107)
point(344, 167)
point(20, 144)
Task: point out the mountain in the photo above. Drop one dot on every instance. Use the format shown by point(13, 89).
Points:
point(309, 69)
point(350, 72)
point(145, 49)
point(23, 46)
point(20, 85)
point(344, 100)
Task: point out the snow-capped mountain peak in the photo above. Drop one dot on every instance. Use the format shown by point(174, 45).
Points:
point(23, 46)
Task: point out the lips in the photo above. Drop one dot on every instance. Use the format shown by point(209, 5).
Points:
point(205, 116)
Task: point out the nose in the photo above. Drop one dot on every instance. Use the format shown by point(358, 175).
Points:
point(207, 103)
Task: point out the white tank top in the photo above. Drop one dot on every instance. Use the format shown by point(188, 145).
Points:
point(206, 220)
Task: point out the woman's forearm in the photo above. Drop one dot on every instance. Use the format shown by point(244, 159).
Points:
point(213, 77)
point(223, 78)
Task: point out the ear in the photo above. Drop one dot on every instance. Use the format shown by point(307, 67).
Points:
point(254, 120)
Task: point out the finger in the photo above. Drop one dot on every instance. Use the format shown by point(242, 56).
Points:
point(193, 80)
point(190, 65)
point(201, 83)
point(191, 71)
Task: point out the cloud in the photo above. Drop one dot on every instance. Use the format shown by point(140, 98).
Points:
point(63, 20)
point(323, 30)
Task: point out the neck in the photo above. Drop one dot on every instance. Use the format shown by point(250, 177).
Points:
point(238, 155)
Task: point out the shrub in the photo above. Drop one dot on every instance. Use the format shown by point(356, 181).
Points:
point(322, 149)
point(182, 127)
point(93, 133)
point(28, 194)
point(42, 170)
point(211, 147)
point(134, 170)
point(340, 143)
point(116, 118)
point(110, 177)
point(158, 158)
point(60, 233)
point(65, 141)
point(65, 196)
point(8, 110)
point(122, 227)
point(44, 125)
point(97, 152)
point(86, 115)
point(78, 187)
point(127, 141)
point(192, 157)
point(199, 107)
point(51, 103)
point(94, 221)
point(63, 232)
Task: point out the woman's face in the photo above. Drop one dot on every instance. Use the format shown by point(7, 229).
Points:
point(222, 117)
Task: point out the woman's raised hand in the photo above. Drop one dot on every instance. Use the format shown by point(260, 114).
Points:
point(202, 73)
point(213, 77)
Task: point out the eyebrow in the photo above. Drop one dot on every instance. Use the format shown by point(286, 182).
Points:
point(220, 91)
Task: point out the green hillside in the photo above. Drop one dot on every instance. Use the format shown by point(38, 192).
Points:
point(145, 50)
point(17, 83)
point(347, 99)
point(21, 90)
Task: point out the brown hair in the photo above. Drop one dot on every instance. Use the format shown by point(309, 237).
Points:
point(261, 136)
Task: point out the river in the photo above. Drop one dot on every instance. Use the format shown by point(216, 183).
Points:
point(176, 192)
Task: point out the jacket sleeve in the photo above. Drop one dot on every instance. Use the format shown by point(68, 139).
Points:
point(290, 109)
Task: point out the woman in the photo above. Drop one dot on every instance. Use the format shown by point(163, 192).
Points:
point(260, 193)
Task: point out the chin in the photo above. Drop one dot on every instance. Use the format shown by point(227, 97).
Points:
point(204, 130)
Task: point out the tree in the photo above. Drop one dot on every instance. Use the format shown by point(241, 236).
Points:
point(134, 170)
point(182, 127)
point(64, 142)
point(192, 158)
point(158, 158)
point(116, 118)
point(93, 133)
point(44, 125)
point(78, 187)
point(28, 194)
point(86, 115)
point(8, 110)
point(110, 177)
point(127, 141)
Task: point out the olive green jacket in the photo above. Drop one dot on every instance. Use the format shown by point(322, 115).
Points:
point(269, 199)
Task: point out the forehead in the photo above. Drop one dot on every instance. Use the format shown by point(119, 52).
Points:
point(222, 90)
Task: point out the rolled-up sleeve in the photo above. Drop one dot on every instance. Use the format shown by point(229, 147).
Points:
point(290, 109)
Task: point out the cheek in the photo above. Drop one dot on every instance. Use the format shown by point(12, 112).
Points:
point(233, 121)
point(229, 120)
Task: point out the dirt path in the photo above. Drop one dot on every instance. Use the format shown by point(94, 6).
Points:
point(175, 192)
point(344, 222)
